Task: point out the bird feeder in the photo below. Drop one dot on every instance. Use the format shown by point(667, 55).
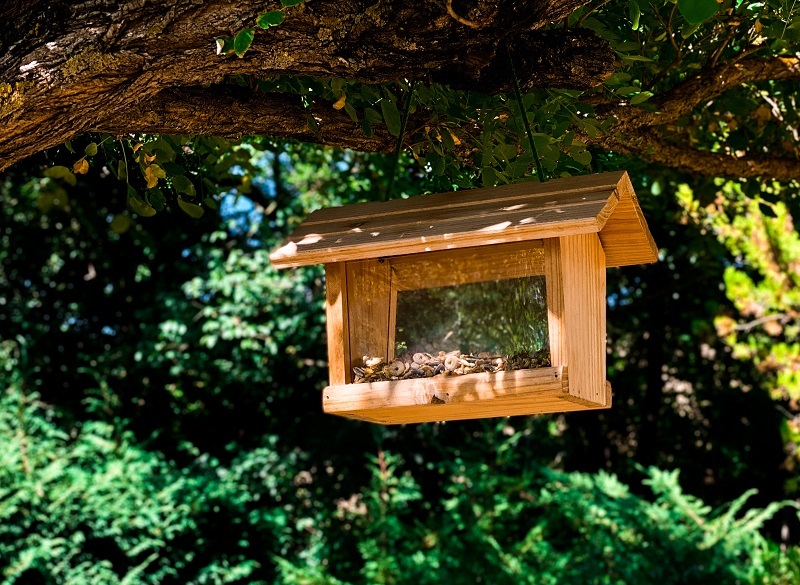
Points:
point(547, 243)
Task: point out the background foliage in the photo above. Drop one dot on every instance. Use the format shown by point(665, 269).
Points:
point(160, 420)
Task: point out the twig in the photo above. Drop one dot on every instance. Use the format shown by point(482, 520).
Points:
point(462, 20)
point(588, 12)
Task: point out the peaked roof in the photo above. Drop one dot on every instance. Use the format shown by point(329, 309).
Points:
point(603, 203)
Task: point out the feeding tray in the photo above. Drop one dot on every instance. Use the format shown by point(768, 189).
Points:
point(520, 269)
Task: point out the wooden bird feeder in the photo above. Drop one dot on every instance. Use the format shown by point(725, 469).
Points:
point(566, 230)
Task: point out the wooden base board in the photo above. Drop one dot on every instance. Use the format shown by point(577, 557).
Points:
point(520, 392)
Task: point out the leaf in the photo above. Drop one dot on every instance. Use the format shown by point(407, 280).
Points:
point(635, 13)
point(68, 144)
point(391, 115)
point(81, 167)
point(242, 41)
point(191, 209)
point(60, 172)
point(641, 97)
point(91, 149)
point(183, 185)
point(373, 116)
point(447, 139)
point(312, 123)
point(141, 208)
point(367, 128)
point(291, 2)
point(697, 11)
point(151, 179)
point(636, 58)
point(340, 103)
point(158, 171)
point(122, 171)
point(351, 111)
point(211, 203)
point(121, 223)
point(271, 18)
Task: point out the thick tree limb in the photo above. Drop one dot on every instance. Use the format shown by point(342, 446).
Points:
point(701, 89)
point(68, 66)
point(649, 145)
point(638, 131)
point(232, 112)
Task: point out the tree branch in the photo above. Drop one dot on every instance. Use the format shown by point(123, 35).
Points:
point(68, 66)
point(649, 145)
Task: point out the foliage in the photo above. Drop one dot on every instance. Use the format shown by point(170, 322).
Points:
point(86, 504)
point(762, 284)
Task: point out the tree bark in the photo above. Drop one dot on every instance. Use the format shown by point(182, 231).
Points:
point(71, 66)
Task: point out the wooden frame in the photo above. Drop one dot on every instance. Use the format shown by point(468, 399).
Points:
point(567, 230)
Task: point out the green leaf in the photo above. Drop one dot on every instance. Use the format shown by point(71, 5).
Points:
point(351, 111)
point(488, 177)
point(242, 41)
point(91, 149)
point(447, 139)
point(224, 45)
point(173, 168)
point(271, 18)
point(191, 209)
point(366, 127)
point(697, 11)
point(60, 172)
point(635, 13)
point(122, 171)
point(211, 203)
point(373, 116)
point(183, 185)
point(68, 144)
point(636, 58)
point(392, 116)
point(291, 2)
point(312, 123)
point(641, 97)
point(141, 208)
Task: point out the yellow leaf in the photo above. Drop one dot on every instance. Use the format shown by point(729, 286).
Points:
point(81, 167)
point(121, 223)
point(151, 179)
point(456, 141)
point(158, 171)
point(149, 157)
point(137, 146)
point(758, 27)
point(340, 102)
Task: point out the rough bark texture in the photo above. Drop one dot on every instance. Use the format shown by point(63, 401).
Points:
point(643, 131)
point(71, 66)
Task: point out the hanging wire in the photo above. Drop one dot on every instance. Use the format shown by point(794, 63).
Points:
point(524, 114)
point(399, 144)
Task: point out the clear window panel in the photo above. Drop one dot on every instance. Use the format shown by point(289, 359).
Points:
point(470, 328)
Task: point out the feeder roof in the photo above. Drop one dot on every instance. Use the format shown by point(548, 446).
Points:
point(602, 203)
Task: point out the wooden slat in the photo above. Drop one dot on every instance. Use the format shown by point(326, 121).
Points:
point(554, 281)
point(368, 301)
point(478, 217)
point(471, 396)
point(626, 238)
point(467, 265)
point(457, 232)
point(337, 325)
point(583, 273)
point(449, 216)
point(541, 192)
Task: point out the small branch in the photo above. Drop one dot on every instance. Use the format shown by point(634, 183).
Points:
point(782, 317)
point(649, 145)
point(466, 22)
point(588, 12)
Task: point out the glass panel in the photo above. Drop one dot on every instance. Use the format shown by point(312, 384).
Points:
point(499, 317)
point(470, 328)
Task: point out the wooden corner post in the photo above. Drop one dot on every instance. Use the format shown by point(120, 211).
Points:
point(575, 273)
